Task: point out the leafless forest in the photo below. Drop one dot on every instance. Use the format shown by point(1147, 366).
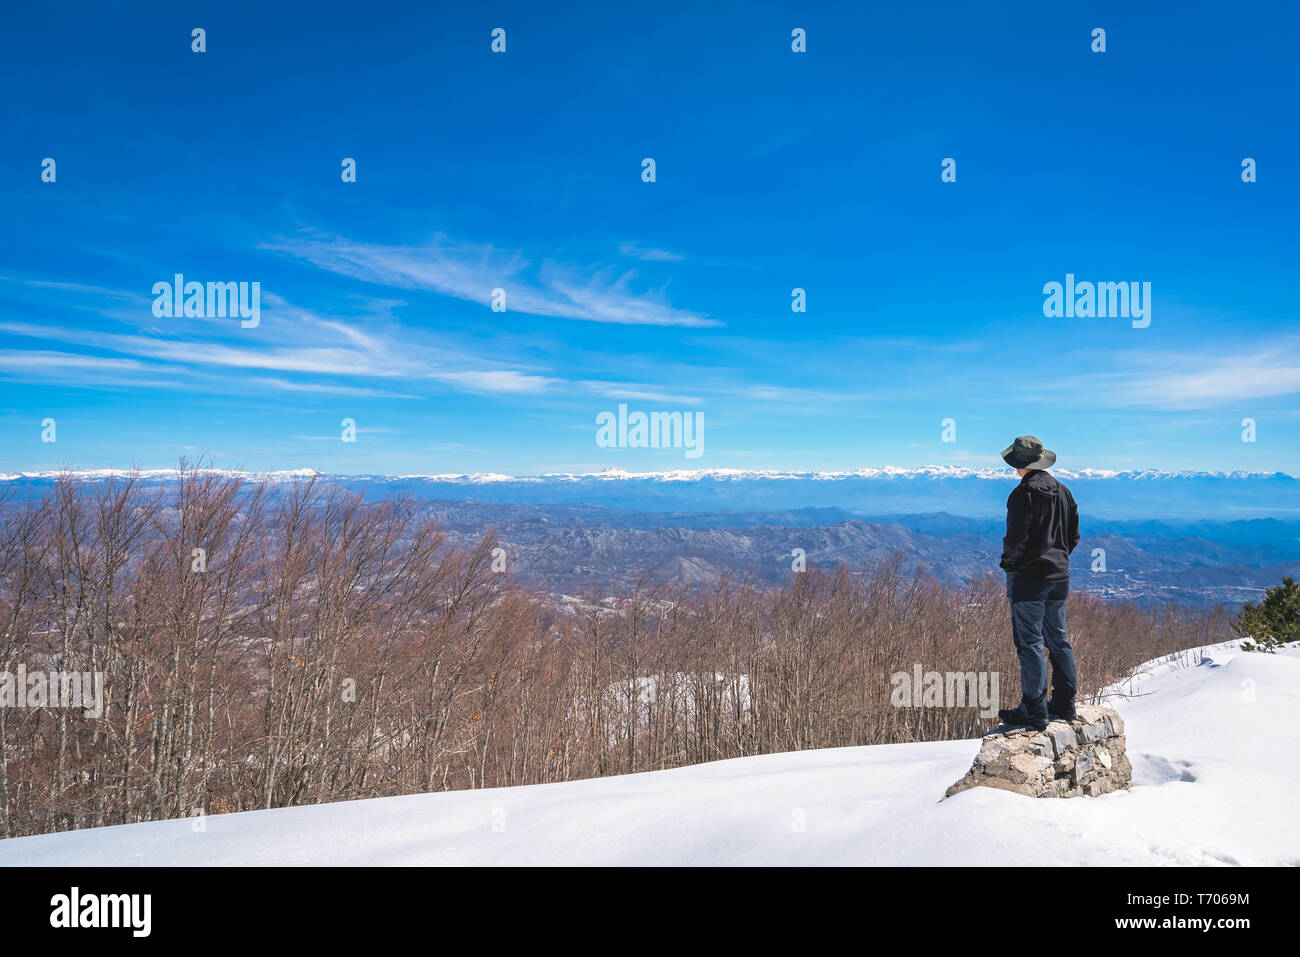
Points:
point(333, 649)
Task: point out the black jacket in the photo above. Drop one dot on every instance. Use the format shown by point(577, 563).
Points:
point(1042, 528)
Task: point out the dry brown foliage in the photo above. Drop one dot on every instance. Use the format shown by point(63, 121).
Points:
point(334, 649)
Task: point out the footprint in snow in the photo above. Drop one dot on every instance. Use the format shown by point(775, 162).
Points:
point(1154, 769)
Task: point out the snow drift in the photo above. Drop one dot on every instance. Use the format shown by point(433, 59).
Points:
point(1212, 736)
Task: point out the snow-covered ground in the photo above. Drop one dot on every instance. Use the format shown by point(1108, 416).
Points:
point(1214, 748)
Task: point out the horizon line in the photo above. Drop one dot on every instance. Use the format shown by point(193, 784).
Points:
point(668, 475)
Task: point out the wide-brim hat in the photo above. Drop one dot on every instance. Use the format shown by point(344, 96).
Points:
point(1026, 452)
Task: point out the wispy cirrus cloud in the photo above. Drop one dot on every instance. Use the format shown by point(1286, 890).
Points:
point(52, 359)
point(76, 287)
point(371, 430)
point(352, 354)
point(648, 254)
point(470, 272)
point(325, 388)
point(638, 392)
point(77, 370)
point(1180, 381)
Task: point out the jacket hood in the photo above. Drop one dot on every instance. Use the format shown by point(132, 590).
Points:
point(1039, 481)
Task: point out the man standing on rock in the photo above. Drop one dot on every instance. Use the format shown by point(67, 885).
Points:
point(1042, 531)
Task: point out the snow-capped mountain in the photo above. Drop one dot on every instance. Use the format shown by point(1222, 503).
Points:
point(1148, 493)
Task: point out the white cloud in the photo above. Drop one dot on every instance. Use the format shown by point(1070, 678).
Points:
point(1179, 381)
point(20, 359)
point(633, 251)
point(471, 272)
point(637, 392)
point(367, 358)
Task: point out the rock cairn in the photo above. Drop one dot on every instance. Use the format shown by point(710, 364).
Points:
point(1084, 757)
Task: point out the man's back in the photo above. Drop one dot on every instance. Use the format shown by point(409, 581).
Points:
point(1042, 528)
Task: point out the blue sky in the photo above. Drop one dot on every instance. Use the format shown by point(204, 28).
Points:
point(522, 170)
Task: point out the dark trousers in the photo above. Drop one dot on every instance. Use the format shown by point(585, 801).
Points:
point(1038, 617)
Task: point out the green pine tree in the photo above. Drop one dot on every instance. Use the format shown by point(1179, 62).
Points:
point(1272, 623)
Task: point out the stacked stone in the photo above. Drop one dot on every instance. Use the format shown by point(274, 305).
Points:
point(1084, 757)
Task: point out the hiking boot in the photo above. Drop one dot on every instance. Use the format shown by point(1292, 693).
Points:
point(1061, 711)
point(1020, 718)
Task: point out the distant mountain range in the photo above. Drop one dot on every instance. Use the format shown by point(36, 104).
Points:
point(1196, 538)
point(583, 550)
point(876, 491)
